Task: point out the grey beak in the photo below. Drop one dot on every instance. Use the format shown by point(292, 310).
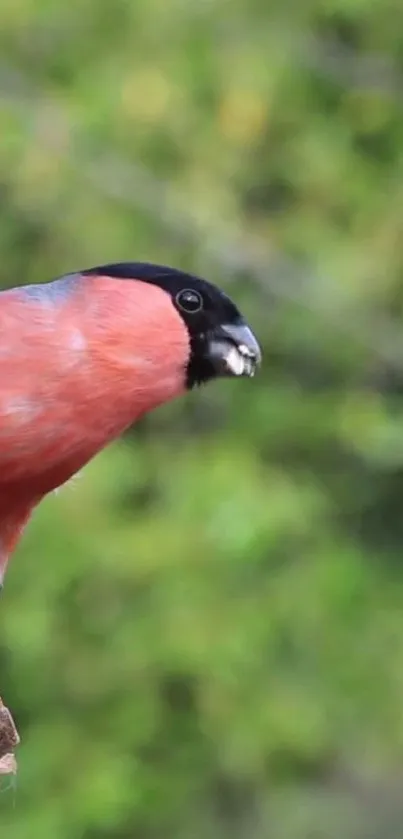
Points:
point(243, 338)
point(234, 350)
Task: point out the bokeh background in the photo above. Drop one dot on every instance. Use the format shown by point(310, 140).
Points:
point(202, 636)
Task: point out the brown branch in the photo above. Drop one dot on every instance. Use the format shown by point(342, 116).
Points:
point(9, 739)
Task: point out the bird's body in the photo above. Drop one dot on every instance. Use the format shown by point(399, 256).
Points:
point(81, 359)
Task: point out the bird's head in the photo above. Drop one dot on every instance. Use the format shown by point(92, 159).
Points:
point(217, 339)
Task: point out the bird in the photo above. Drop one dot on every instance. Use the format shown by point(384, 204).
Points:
point(86, 355)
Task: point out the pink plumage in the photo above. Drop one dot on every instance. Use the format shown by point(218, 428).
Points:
point(74, 374)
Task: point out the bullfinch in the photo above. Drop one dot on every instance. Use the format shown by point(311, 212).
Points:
point(86, 355)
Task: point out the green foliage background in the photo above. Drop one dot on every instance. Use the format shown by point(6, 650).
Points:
point(202, 636)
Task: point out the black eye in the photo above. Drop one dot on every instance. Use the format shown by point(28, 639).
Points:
point(189, 300)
